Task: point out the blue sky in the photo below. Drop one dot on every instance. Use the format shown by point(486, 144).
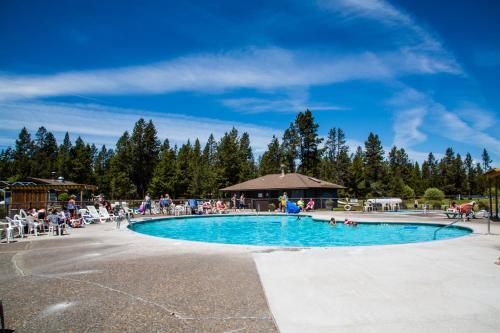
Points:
point(421, 74)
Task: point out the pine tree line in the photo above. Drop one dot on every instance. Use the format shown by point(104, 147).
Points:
point(140, 162)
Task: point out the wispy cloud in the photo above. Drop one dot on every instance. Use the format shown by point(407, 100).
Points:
point(407, 125)
point(261, 69)
point(417, 114)
point(418, 41)
point(283, 104)
point(101, 124)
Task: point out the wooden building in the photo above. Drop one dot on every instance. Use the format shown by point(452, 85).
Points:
point(269, 187)
point(39, 192)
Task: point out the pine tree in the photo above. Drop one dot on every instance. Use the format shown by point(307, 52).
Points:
point(356, 181)
point(209, 180)
point(81, 160)
point(6, 164)
point(122, 186)
point(270, 162)
point(447, 172)
point(228, 166)
point(183, 176)
point(44, 154)
point(164, 173)
point(63, 161)
point(486, 160)
point(430, 172)
point(335, 165)
point(308, 144)
point(248, 169)
point(470, 174)
point(102, 169)
point(23, 155)
point(145, 149)
point(373, 157)
point(416, 182)
point(195, 169)
point(459, 175)
point(289, 146)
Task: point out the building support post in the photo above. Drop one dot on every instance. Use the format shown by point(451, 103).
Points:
point(491, 206)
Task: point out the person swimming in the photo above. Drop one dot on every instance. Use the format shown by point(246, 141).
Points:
point(350, 222)
point(333, 221)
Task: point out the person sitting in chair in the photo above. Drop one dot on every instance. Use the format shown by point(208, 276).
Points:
point(310, 205)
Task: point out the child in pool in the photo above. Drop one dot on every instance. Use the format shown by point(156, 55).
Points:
point(333, 222)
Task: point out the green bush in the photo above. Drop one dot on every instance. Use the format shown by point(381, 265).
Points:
point(484, 204)
point(408, 192)
point(63, 196)
point(3, 213)
point(271, 207)
point(433, 194)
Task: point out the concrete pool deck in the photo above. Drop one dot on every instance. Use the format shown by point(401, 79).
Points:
point(102, 279)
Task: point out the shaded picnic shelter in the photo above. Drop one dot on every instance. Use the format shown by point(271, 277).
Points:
point(268, 188)
point(492, 177)
point(40, 192)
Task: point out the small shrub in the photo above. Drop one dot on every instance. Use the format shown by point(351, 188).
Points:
point(436, 204)
point(433, 194)
point(2, 212)
point(271, 207)
point(408, 192)
point(63, 196)
point(483, 204)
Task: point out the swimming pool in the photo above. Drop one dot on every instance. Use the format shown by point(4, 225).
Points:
point(288, 231)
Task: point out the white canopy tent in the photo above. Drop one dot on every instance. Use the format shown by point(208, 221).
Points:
point(386, 203)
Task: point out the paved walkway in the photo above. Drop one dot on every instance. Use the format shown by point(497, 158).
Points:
point(442, 286)
point(102, 279)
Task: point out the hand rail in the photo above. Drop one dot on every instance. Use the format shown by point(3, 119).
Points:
point(445, 226)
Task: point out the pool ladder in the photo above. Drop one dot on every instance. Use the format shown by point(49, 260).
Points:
point(445, 226)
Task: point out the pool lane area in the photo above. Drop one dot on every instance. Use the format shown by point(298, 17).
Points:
point(292, 231)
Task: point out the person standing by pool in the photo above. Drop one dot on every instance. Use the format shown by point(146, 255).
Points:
point(283, 200)
point(233, 201)
point(162, 203)
point(72, 205)
point(242, 201)
point(147, 204)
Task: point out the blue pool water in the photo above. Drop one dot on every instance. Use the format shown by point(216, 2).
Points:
point(283, 230)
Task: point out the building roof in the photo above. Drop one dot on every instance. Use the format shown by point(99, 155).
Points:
point(278, 181)
point(42, 184)
point(493, 173)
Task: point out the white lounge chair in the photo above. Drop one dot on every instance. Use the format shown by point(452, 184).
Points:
point(32, 225)
point(105, 214)
point(87, 218)
point(9, 230)
point(95, 214)
point(18, 223)
point(54, 225)
point(22, 214)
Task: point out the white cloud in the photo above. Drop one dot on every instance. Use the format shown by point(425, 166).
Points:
point(101, 124)
point(417, 114)
point(406, 127)
point(477, 117)
point(420, 45)
point(452, 126)
point(285, 105)
point(261, 69)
